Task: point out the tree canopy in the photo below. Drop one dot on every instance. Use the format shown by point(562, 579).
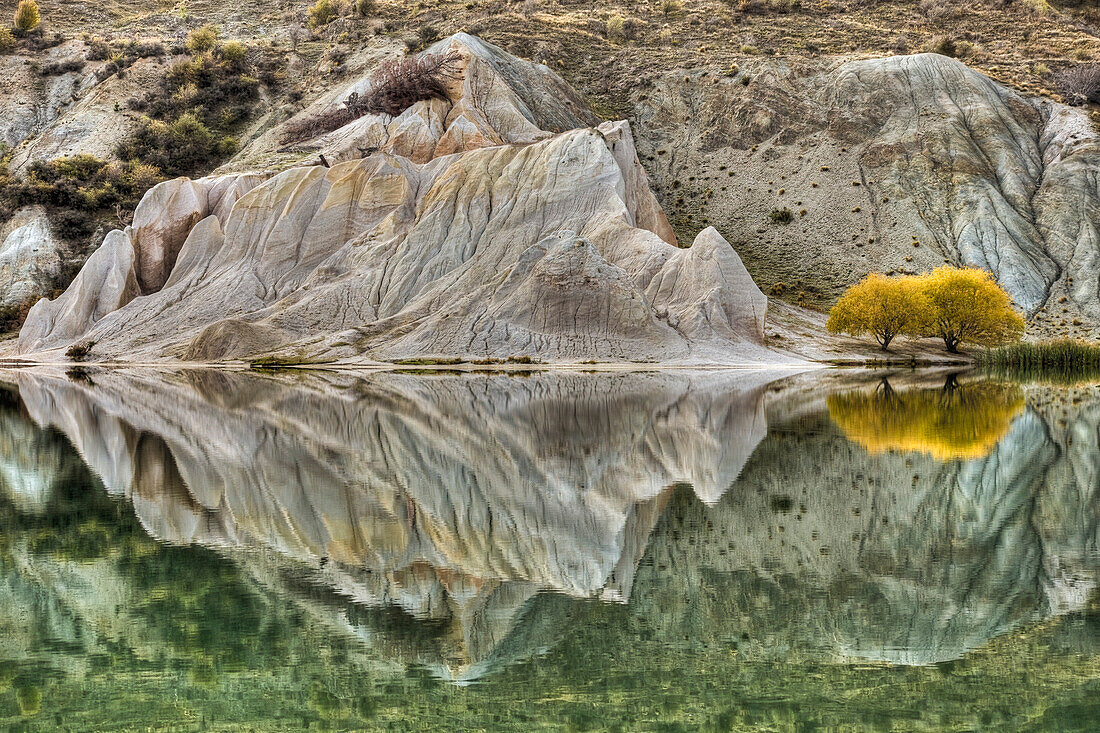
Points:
point(882, 306)
point(967, 305)
point(958, 305)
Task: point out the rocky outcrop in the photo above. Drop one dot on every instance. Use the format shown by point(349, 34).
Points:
point(519, 243)
point(492, 99)
point(170, 210)
point(30, 257)
point(105, 283)
point(890, 164)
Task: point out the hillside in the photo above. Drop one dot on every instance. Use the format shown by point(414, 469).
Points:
point(815, 137)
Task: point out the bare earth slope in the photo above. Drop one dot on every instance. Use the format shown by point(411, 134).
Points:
point(897, 164)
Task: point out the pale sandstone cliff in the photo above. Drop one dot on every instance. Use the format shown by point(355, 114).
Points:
point(472, 233)
point(893, 164)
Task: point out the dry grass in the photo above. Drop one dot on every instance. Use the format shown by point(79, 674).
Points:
point(1021, 44)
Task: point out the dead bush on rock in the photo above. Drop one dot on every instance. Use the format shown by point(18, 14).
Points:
point(401, 83)
point(394, 87)
point(1080, 84)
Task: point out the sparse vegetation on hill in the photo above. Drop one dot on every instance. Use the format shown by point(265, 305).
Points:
point(80, 193)
point(191, 117)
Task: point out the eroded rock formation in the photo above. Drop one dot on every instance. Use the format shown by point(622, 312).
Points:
point(890, 164)
point(471, 231)
point(30, 257)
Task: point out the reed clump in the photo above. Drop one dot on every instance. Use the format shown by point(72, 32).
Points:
point(1061, 360)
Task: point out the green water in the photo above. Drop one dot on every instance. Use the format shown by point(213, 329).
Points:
point(656, 551)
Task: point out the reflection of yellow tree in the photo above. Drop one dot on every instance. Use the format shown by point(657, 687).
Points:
point(953, 422)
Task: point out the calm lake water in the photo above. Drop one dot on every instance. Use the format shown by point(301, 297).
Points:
point(665, 551)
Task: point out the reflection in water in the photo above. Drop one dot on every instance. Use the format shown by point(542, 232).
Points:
point(952, 422)
point(356, 538)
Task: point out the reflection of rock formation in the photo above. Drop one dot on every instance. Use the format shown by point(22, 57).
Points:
point(424, 513)
point(452, 497)
point(823, 547)
point(32, 460)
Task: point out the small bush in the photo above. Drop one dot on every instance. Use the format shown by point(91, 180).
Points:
point(27, 17)
point(781, 216)
point(669, 8)
point(7, 40)
point(614, 30)
point(322, 12)
point(81, 351)
point(944, 45)
point(57, 68)
point(365, 8)
point(428, 34)
point(202, 39)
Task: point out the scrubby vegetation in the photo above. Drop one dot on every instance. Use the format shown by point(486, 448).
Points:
point(80, 193)
point(80, 351)
point(191, 118)
point(1080, 84)
point(957, 305)
point(27, 17)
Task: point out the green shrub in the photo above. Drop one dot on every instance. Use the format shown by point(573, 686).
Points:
point(233, 52)
point(80, 192)
point(322, 12)
point(365, 7)
point(7, 40)
point(27, 17)
point(202, 39)
point(179, 147)
point(192, 115)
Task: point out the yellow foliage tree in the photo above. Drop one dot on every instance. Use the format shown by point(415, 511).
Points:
point(966, 305)
point(882, 306)
point(27, 17)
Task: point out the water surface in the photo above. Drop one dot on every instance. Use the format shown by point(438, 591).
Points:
point(725, 550)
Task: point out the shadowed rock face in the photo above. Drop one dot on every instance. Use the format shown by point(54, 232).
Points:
point(458, 498)
point(882, 154)
point(30, 257)
point(470, 232)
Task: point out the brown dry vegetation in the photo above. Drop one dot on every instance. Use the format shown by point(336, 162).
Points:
point(1023, 43)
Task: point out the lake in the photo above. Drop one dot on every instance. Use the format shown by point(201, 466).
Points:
point(547, 550)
